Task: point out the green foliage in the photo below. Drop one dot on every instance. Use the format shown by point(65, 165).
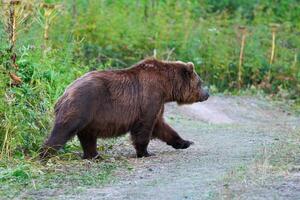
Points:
point(21, 176)
point(94, 34)
point(100, 34)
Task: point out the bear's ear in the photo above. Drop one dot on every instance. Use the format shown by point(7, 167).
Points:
point(190, 66)
point(187, 71)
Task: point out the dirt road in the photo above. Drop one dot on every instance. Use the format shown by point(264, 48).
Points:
point(229, 133)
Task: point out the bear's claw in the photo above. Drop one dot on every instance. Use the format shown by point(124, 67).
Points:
point(184, 144)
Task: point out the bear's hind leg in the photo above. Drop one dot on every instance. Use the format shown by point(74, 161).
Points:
point(88, 142)
point(60, 134)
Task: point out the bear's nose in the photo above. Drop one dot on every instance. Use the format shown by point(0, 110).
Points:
point(206, 96)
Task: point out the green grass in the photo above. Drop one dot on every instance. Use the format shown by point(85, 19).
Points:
point(25, 177)
point(88, 35)
point(103, 34)
point(65, 173)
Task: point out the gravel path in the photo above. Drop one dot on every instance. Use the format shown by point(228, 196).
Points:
point(228, 133)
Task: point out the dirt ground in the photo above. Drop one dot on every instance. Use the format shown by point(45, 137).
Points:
point(229, 134)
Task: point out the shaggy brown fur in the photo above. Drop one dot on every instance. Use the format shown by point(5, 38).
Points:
point(103, 104)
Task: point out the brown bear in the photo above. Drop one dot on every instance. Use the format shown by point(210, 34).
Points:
point(104, 104)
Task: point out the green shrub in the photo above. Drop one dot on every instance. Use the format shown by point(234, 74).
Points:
point(88, 35)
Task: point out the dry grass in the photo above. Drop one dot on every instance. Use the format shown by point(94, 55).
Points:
point(273, 163)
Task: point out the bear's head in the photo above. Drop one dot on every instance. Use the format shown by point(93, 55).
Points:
point(188, 87)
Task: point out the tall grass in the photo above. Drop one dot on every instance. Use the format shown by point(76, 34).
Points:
point(84, 35)
point(97, 34)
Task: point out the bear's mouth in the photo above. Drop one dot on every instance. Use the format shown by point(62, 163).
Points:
point(204, 98)
point(180, 103)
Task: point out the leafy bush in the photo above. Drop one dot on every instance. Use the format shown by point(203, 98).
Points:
point(88, 35)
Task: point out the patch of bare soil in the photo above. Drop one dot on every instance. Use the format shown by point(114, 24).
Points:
point(228, 133)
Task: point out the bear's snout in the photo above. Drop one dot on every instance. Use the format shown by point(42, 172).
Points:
point(204, 95)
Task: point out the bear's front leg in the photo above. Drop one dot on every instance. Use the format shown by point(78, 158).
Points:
point(167, 134)
point(141, 134)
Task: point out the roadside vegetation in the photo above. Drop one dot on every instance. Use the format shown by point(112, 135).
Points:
point(276, 167)
point(45, 45)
